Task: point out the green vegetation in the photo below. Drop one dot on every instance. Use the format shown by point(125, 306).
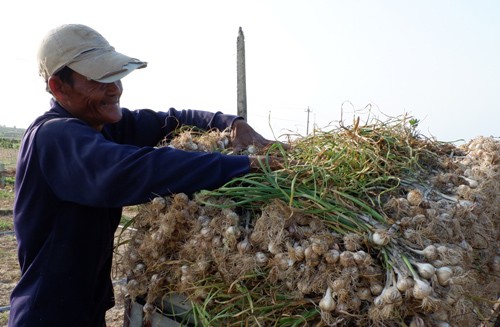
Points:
point(4, 318)
point(6, 224)
point(6, 194)
point(10, 140)
point(7, 143)
point(11, 133)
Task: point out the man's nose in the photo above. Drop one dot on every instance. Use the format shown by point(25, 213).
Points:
point(114, 87)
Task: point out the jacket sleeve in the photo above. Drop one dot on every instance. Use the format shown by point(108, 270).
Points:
point(146, 127)
point(81, 165)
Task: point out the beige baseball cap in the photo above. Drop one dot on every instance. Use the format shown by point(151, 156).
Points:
point(85, 51)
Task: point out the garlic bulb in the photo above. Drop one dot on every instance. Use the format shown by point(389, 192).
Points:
point(378, 301)
point(244, 245)
point(139, 269)
point(347, 259)
point(472, 182)
point(339, 285)
point(391, 295)
point(299, 252)
point(261, 258)
point(380, 238)
point(282, 261)
point(426, 270)
point(148, 308)
point(417, 322)
point(362, 258)
point(327, 304)
point(308, 253)
point(430, 252)
point(376, 288)
point(158, 203)
point(404, 283)
point(216, 241)
point(332, 256)
point(414, 197)
point(232, 232)
point(273, 247)
point(319, 246)
point(495, 263)
point(364, 293)
point(422, 289)
point(443, 275)
point(207, 232)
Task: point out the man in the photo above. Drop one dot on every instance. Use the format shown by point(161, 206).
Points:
point(83, 160)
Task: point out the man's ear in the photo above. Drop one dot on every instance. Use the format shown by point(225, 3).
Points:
point(56, 87)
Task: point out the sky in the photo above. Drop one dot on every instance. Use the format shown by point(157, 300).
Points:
point(435, 60)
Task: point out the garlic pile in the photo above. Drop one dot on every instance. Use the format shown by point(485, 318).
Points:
point(437, 264)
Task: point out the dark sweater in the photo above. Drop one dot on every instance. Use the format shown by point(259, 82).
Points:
point(71, 184)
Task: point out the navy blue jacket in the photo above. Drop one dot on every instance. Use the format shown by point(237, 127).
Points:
point(71, 184)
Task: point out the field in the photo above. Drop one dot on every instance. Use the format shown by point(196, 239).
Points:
point(8, 158)
point(9, 269)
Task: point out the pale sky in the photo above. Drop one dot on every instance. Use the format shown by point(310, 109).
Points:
point(436, 60)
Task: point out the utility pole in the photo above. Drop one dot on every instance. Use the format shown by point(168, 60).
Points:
point(241, 75)
point(307, 126)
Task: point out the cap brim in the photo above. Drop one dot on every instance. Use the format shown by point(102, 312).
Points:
point(107, 67)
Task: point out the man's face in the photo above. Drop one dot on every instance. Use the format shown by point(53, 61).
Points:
point(93, 102)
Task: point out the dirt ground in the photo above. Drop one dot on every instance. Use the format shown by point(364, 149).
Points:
point(9, 268)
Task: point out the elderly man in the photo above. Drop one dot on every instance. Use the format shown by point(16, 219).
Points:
point(84, 159)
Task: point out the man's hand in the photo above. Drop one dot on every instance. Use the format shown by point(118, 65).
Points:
point(243, 135)
point(259, 163)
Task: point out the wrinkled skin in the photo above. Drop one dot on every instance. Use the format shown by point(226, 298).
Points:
point(243, 135)
point(93, 102)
